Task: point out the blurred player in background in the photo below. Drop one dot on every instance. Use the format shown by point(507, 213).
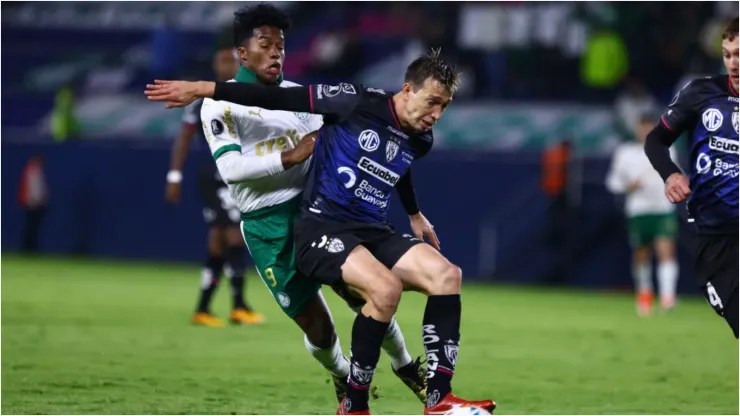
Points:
point(652, 220)
point(707, 108)
point(226, 251)
point(261, 154)
point(33, 197)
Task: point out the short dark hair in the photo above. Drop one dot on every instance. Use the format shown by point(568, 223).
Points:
point(730, 32)
point(249, 18)
point(432, 65)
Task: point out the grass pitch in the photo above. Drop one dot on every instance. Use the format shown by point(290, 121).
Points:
point(87, 337)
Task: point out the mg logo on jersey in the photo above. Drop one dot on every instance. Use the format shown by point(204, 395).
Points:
point(391, 150)
point(724, 145)
point(712, 119)
point(369, 140)
point(735, 122)
point(379, 171)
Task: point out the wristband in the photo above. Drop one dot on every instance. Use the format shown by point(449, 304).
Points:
point(174, 176)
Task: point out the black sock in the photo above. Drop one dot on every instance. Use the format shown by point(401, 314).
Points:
point(211, 275)
point(367, 338)
point(441, 337)
point(236, 262)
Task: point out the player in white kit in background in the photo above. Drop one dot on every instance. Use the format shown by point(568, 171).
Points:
point(651, 219)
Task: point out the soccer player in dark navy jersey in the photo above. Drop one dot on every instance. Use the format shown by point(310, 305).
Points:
point(364, 151)
point(707, 108)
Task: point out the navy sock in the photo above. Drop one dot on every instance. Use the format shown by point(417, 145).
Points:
point(367, 338)
point(441, 337)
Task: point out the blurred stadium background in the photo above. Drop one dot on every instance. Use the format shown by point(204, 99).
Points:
point(114, 318)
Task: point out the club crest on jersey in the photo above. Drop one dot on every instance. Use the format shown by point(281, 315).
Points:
point(735, 122)
point(712, 119)
point(369, 140)
point(217, 127)
point(391, 150)
point(301, 116)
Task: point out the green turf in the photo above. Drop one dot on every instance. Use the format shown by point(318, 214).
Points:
point(111, 337)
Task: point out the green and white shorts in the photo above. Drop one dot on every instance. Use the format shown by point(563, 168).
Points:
point(268, 233)
point(645, 229)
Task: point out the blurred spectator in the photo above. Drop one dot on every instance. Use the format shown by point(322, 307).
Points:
point(555, 161)
point(33, 196)
point(555, 169)
point(634, 101)
point(64, 123)
point(606, 60)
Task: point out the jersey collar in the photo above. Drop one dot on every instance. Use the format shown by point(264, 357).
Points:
point(250, 77)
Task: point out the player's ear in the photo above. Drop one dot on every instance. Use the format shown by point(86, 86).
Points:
point(242, 52)
point(407, 89)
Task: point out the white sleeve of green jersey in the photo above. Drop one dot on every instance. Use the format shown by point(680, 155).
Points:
point(221, 128)
point(616, 179)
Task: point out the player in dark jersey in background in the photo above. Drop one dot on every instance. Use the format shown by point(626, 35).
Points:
point(707, 108)
point(226, 251)
point(365, 150)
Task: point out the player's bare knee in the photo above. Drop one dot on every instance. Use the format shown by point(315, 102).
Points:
point(446, 279)
point(386, 295)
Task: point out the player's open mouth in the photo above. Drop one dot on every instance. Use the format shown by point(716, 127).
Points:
point(274, 69)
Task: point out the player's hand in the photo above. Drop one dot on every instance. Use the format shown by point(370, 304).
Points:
point(302, 151)
point(423, 228)
point(173, 192)
point(179, 93)
point(677, 188)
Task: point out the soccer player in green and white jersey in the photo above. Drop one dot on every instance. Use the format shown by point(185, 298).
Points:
point(651, 218)
point(263, 157)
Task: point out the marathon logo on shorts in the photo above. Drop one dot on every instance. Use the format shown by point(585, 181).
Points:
point(379, 171)
point(724, 145)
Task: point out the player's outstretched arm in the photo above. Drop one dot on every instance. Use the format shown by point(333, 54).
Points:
point(338, 101)
point(181, 93)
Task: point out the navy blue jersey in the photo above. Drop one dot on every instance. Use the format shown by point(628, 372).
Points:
point(707, 108)
point(360, 155)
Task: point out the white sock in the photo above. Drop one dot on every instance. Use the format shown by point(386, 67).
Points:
point(394, 344)
point(667, 278)
point(643, 280)
point(331, 358)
